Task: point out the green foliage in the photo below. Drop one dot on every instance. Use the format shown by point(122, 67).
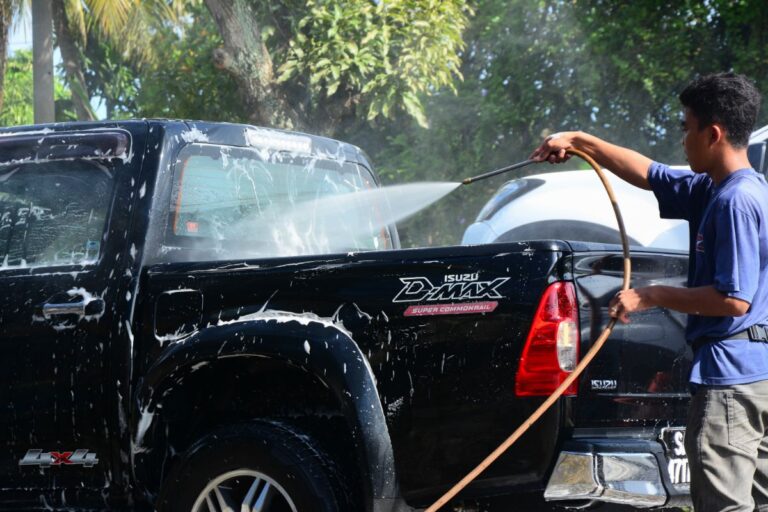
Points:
point(17, 106)
point(614, 69)
point(124, 23)
point(651, 51)
point(489, 77)
point(385, 54)
point(18, 86)
point(110, 76)
point(185, 84)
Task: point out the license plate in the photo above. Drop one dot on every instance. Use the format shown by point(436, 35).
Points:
point(673, 439)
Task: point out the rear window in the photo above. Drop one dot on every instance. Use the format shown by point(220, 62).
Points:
point(53, 213)
point(247, 203)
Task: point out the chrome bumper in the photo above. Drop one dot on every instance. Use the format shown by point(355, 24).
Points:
point(627, 478)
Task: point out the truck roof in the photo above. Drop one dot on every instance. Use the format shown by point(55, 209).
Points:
point(232, 134)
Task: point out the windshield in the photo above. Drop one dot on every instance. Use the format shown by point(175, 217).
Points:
point(246, 203)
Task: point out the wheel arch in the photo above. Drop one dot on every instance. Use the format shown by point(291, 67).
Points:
point(322, 357)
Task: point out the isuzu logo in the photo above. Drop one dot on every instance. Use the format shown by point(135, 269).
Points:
point(46, 459)
point(604, 384)
point(418, 289)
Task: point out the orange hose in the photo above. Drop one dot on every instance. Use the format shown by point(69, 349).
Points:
point(596, 346)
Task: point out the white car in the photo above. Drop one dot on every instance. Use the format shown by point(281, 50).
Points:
point(757, 149)
point(573, 205)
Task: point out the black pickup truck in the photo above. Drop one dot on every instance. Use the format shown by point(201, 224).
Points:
point(167, 342)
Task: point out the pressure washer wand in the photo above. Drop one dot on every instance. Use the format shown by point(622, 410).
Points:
point(512, 167)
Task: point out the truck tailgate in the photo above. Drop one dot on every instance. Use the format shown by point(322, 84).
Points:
point(640, 377)
point(629, 415)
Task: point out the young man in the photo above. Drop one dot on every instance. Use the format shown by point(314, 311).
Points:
point(726, 204)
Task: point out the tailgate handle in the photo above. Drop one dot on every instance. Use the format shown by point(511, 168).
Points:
point(95, 306)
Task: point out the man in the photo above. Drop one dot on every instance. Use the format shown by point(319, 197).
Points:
point(726, 205)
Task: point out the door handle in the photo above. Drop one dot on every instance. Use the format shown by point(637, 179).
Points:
point(95, 306)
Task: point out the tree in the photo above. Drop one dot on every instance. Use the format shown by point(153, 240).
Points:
point(7, 10)
point(350, 68)
point(17, 87)
point(70, 32)
point(185, 84)
point(310, 65)
point(648, 74)
point(176, 79)
point(532, 68)
point(122, 23)
point(19, 106)
point(42, 50)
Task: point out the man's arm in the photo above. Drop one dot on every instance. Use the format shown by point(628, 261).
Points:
point(625, 163)
point(701, 300)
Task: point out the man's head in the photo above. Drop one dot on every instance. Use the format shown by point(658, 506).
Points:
point(720, 113)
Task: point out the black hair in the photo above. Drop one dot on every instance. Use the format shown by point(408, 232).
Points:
point(728, 99)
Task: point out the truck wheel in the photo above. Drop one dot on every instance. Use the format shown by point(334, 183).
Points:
point(263, 466)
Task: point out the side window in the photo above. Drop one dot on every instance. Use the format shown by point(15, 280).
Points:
point(52, 213)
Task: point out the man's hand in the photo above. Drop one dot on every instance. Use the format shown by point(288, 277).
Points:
point(552, 149)
point(701, 300)
point(624, 163)
point(629, 301)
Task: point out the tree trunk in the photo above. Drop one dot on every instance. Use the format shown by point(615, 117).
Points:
point(42, 66)
point(6, 18)
point(73, 64)
point(246, 57)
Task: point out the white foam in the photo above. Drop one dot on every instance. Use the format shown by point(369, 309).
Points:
point(194, 135)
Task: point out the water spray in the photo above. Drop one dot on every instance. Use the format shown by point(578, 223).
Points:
point(596, 346)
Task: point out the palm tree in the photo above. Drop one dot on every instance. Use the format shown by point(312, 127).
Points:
point(123, 23)
point(42, 64)
point(67, 33)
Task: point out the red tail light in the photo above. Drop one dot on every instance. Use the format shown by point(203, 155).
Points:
point(551, 351)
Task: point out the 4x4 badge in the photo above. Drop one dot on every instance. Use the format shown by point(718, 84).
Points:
point(46, 459)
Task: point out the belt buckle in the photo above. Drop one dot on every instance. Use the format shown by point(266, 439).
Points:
point(758, 333)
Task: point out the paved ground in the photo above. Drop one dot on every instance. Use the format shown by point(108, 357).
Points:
point(537, 504)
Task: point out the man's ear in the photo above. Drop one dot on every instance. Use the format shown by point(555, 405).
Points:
point(716, 133)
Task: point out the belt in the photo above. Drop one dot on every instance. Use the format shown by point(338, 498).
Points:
point(757, 333)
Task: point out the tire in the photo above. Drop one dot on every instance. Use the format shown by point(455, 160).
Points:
point(236, 464)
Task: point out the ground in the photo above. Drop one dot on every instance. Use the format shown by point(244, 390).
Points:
point(534, 503)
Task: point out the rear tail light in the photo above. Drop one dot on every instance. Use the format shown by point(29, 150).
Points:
point(551, 350)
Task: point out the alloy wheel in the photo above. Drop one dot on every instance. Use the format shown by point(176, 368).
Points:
point(243, 490)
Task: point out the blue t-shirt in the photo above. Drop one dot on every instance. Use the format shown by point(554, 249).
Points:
point(728, 250)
